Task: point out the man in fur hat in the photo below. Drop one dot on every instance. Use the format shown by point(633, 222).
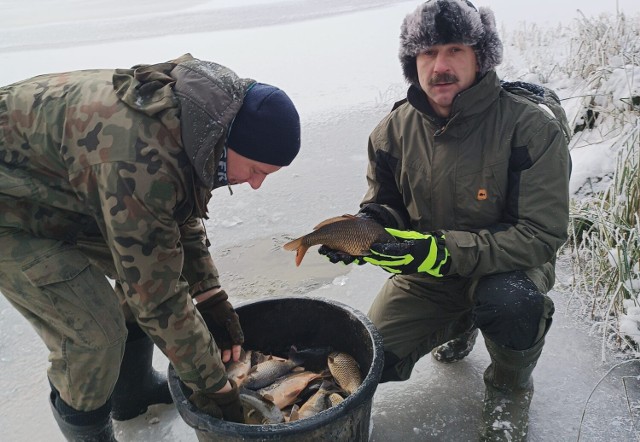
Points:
point(108, 174)
point(472, 181)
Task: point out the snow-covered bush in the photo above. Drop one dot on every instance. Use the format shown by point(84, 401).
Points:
point(604, 239)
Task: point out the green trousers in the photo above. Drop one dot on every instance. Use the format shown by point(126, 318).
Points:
point(63, 292)
point(414, 314)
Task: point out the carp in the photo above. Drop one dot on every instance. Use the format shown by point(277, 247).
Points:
point(345, 371)
point(285, 390)
point(346, 233)
point(315, 404)
point(335, 399)
point(239, 370)
point(257, 410)
point(265, 373)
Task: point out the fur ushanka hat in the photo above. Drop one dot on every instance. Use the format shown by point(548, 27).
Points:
point(449, 21)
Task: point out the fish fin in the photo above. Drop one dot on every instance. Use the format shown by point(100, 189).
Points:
point(327, 385)
point(294, 416)
point(334, 219)
point(293, 245)
point(300, 252)
point(293, 393)
point(295, 356)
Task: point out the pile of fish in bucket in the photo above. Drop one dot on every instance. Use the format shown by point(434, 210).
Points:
point(275, 390)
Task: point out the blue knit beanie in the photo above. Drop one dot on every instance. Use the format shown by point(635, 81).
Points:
point(267, 127)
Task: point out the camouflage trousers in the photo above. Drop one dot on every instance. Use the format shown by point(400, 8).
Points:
point(415, 314)
point(60, 289)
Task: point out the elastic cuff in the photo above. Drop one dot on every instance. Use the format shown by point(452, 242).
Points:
point(204, 286)
point(213, 300)
point(217, 386)
point(379, 214)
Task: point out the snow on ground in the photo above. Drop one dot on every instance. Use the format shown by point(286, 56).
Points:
point(338, 63)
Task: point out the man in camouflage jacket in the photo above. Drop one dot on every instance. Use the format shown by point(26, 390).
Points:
point(107, 174)
point(472, 181)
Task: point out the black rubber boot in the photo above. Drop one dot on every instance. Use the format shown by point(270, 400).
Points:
point(464, 334)
point(456, 349)
point(139, 385)
point(82, 426)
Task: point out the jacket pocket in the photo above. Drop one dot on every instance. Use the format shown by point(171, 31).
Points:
point(480, 197)
point(76, 299)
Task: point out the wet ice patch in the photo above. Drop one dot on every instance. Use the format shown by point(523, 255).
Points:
point(340, 280)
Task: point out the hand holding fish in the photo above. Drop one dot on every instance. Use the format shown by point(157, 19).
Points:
point(336, 256)
point(412, 252)
point(217, 309)
point(221, 405)
point(352, 235)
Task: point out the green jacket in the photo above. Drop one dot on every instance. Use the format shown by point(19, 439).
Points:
point(99, 154)
point(493, 178)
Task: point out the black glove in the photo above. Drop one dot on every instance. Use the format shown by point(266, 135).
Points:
point(219, 310)
point(336, 256)
point(225, 406)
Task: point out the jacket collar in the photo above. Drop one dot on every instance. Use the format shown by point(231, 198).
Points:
point(466, 104)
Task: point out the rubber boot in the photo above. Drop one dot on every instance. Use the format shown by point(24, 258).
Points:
point(508, 394)
point(456, 349)
point(139, 385)
point(81, 426)
point(459, 347)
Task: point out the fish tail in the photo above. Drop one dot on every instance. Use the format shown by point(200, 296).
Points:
point(300, 249)
point(300, 254)
point(293, 245)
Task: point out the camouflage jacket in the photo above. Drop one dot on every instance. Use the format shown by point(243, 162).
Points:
point(100, 154)
point(494, 178)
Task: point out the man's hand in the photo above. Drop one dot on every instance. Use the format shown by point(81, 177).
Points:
point(222, 404)
point(217, 309)
point(414, 252)
point(336, 256)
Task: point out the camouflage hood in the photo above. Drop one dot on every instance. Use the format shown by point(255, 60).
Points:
point(210, 96)
point(200, 97)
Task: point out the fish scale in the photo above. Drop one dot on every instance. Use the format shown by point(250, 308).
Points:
point(267, 372)
point(345, 371)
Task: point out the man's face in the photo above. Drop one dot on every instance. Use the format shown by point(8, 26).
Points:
point(244, 170)
point(444, 71)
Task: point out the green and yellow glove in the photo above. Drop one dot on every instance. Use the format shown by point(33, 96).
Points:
point(414, 252)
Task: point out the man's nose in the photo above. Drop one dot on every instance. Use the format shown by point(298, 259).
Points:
point(255, 181)
point(441, 63)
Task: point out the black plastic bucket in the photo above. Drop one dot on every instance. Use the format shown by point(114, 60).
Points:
point(272, 326)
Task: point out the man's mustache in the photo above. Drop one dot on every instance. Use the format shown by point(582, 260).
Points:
point(443, 78)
